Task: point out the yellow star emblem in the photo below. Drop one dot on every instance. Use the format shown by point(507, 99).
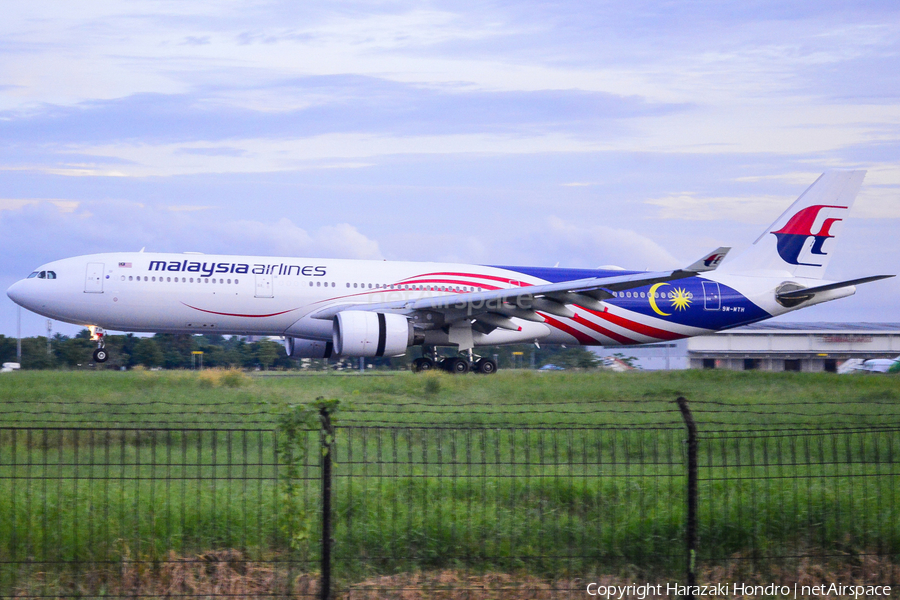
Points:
point(680, 298)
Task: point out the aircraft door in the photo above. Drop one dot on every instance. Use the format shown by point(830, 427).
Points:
point(93, 279)
point(712, 299)
point(264, 286)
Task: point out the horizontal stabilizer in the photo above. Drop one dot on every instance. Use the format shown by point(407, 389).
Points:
point(710, 261)
point(809, 292)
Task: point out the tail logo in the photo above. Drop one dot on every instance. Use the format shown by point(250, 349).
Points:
point(792, 237)
point(713, 260)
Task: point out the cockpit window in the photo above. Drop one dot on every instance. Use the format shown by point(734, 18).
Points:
point(43, 275)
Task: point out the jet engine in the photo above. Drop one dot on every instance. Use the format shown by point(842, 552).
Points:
point(304, 348)
point(362, 333)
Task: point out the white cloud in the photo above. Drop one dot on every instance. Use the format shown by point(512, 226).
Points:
point(64, 206)
point(330, 151)
point(187, 208)
point(691, 207)
point(595, 245)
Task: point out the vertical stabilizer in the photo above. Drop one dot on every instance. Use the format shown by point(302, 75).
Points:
point(801, 241)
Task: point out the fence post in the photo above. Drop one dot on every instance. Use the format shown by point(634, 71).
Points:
point(327, 441)
point(691, 531)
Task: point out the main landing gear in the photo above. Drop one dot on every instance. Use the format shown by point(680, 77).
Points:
point(97, 335)
point(458, 365)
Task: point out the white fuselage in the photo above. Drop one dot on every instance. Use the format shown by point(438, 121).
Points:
point(194, 293)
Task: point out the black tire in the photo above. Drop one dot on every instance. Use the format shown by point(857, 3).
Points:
point(101, 355)
point(423, 364)
point(486, 366)
point(457, 366)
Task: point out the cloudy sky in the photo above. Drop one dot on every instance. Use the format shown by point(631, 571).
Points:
point(581, 133)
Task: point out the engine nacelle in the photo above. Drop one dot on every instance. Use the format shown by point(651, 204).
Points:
point(362, 333)
point(304, 348)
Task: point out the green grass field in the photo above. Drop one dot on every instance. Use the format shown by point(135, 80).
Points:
point(219, 399)
point(558, 475)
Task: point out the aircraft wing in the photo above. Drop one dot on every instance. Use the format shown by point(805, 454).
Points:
point(493, 309)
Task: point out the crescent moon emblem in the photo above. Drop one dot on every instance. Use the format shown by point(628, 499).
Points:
point(651, 295)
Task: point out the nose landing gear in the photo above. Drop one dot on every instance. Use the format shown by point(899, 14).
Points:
point(97, 334)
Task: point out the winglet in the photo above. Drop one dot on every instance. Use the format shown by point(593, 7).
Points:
point(710, 261)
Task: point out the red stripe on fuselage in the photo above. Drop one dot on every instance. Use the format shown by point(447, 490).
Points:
point(603, 330)
point(212, 312)
point(475, 275)
point(583, 338)
point(636, 327)
point(452, 282)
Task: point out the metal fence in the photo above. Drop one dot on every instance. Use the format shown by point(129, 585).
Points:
point(421, 511)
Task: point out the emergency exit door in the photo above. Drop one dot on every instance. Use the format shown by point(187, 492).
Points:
point(264, 286)
point(93, 279)
point(712, 298)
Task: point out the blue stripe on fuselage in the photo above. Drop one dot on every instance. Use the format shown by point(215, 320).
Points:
point(701, 309)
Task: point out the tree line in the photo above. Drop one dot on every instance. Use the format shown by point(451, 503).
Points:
point(177, 351)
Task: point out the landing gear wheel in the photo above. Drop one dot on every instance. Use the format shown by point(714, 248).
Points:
point(100, 355)
point(422, 364)
point(485, 366)
point(457, 366)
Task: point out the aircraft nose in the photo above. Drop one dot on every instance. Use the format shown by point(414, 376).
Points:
point(17, 294)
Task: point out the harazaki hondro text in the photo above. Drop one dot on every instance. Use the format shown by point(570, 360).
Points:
point(644, 590)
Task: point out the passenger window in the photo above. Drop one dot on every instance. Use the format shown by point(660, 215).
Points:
point(130, 277)
point(235, 280)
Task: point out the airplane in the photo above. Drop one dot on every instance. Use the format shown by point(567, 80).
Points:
point(330, 308)
point(872, 365)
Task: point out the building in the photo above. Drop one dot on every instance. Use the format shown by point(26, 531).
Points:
point(664, 356)
point(808, 347)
